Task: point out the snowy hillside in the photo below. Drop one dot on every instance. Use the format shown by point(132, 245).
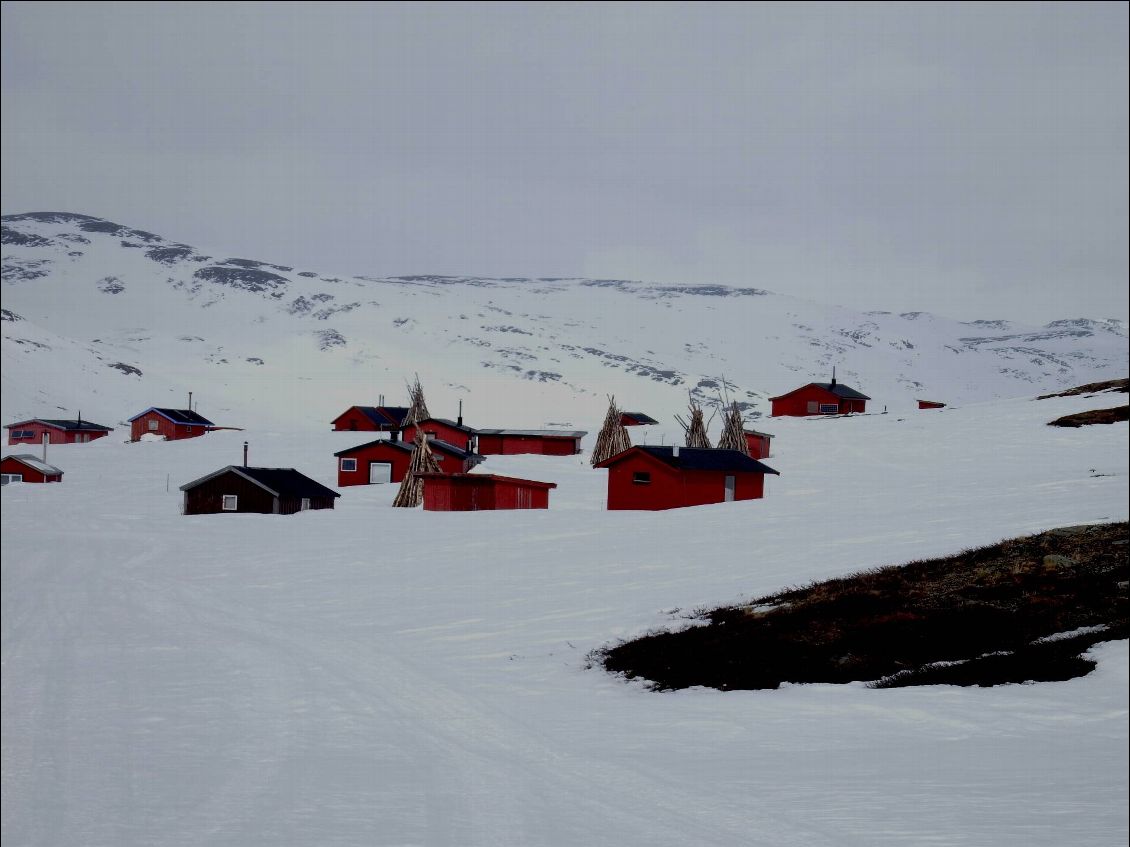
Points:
point(107, 319)
point(377, 676)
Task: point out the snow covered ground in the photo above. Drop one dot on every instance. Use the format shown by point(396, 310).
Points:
point(371, 676)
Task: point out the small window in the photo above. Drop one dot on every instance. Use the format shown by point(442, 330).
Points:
point(348, 465)
point(431, 433)
point(11, 477)
point(641, 478)
point(829, 409)
point(304, 505)
point(23, 433)
point(153, 424)
point(813, 407)
point(231, 502)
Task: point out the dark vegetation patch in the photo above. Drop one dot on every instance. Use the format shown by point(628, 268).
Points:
point(981, 617)
point(22, 239)
point(8, 315)
point(129, 370)
point(247, 279)
point(1122, 385)
point(1095, 416)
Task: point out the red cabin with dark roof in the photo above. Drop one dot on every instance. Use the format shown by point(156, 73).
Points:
point(27, 468)
point(57, 431)
point(636, 419)
point(819, 398)
point(545, 442)
point(481, 492)
point(453, 432)
point(758, 443)
point(387, 461)
point(370, 419)
point(173, 424)
point(930, 404)
point(654, 478)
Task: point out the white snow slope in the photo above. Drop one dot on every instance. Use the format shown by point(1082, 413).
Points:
point(371, 676)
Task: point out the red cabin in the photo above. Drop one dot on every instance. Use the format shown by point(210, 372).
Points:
point(654, 478)
point(370, 419)
point(930, 404)
point(27, 468)
point(387, 461)
point(54, 431)
point(173, 424)
point(545, 442)
point(820, 398)
point(480, 492)
point(757, 443)
point(453, 432)
point(636, 419)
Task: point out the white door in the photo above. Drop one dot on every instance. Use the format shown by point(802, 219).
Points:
point(380, 472)
point(729, 489)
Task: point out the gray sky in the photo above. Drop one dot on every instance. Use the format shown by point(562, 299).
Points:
point(965, 159)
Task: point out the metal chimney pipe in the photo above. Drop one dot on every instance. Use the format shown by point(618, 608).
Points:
point(675, 451)
point(190, 401)
point(460, 419)
point(245, 454)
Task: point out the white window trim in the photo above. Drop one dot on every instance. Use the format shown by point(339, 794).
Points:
point(153, 424)
point(829, 408)
point(351, 468)
point(636, 480)
point(234, 500)
point(13, 477)
point(304, 504)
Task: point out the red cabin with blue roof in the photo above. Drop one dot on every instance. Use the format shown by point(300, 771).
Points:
point(820, 398)
point(173, 424)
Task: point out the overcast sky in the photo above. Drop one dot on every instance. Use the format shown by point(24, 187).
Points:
point(969, 160)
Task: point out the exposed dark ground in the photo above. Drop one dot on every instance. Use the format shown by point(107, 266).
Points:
point(1122, 385)
point(1095, 416)
point(981, 614)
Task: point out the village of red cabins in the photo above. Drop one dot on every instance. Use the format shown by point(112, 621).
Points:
point(642, 477)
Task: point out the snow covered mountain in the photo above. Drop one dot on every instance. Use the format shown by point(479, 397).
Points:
point(107, 319)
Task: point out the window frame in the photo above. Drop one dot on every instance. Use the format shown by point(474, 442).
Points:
point(344, 469)
point(9, 478)
point(224, 498)
point(829, 408)
point(641, 477)
point(154, 425)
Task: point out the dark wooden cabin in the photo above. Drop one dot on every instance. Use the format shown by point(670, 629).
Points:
point(237, 489)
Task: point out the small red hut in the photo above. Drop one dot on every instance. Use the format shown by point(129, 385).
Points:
point(545, 442)
point(636, 419)
point(387, 461)
point(370, 419)
point(173, 424)
point(481, 492)
point(757, 443)
point(266, 491)
point(453, 432)
point(655, 478)
point(930, 404)
point(55, 431)
point(819, 398)
point(27, 468)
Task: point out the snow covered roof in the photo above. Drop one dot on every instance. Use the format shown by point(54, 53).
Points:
point(695, 459)
point(179, 416)
point(640, 418)
point(755, 432)
point(35, 463)
point(281, 482)
point(70, 425)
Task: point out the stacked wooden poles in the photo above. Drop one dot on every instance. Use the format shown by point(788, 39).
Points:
point(418, 408)
point(695, 428)
point(733, 431)
point(411, 492)
point(613, 437)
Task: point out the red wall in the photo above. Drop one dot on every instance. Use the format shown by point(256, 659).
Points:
point(672, 489)
point(796, 403)
point(758, 446)
point(463, 494)
point(399, 459)
point(442, 431)
point(58, 436)
point(171, 431)
point(354, 420)
point(10, 465)
point(509, 445)
point(930, 404)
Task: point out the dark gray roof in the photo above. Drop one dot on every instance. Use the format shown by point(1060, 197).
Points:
point(697, 459)
point(180, 416)
point(841, 390)
point(64, 424)
point(384, 415)
point(451, 423)
point(538, 433)
point(406, 446)
point(755, 432)
point(639, 417)
point(282, 482)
